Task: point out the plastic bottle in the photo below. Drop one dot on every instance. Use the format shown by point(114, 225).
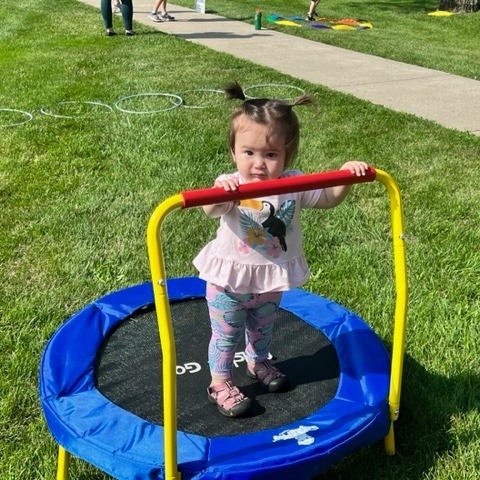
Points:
point(258, 20)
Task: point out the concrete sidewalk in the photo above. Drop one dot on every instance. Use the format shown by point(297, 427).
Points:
point(450, 100)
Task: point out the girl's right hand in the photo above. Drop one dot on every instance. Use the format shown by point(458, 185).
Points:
point(227, 183)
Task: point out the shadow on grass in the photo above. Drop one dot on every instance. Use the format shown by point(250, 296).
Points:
point(422, 432)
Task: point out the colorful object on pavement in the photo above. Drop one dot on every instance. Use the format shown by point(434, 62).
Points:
point(288, 23)
point(342, 27)
point(440, 13)
point(321, 23)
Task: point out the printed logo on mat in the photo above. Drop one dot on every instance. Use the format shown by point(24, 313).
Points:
point(300, 434)
point(194, 367)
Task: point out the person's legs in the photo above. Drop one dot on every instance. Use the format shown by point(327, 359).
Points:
point(165, 15)
point(154, 13)
point(106, 10)
point(311, 11)
point(162, 15)
point(127, 16)
point(156, 5)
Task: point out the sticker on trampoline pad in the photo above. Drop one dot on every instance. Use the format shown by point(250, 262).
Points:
point(300, 434)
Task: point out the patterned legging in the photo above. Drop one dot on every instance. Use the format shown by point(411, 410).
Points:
point(232, 316)
point(126, 8)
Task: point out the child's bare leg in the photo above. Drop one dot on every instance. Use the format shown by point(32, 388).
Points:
point(311, 11)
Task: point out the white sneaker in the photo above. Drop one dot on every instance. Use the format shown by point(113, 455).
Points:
point(155, 17)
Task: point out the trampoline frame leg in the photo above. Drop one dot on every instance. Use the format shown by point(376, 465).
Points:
point(389, 441)
point(63, 463)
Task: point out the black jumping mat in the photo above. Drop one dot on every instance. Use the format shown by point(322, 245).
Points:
point(128, 372)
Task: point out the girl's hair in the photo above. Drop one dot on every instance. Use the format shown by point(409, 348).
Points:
point(276, 114)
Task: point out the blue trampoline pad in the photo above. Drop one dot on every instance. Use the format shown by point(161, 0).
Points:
point(91, 423)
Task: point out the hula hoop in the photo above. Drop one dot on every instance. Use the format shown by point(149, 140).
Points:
point(171, 96)
point(283, 85)
point(27, 114)
point(56, 115)
point(208, 90)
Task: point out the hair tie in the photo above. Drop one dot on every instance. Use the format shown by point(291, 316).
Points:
point(235, 92)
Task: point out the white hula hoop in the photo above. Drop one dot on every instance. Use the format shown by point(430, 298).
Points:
point(171, 96)
point(207, 90)
point(72, 102)
point(23, 112)
point(300, 91)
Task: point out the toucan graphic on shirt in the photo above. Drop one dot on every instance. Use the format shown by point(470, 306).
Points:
point(267, 229)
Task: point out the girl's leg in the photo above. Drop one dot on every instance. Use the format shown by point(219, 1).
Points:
point(127, 15)
point(227, 318)
point(263, 311)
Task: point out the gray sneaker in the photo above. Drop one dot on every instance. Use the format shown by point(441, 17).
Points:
point(167, 17)
point(155, 17)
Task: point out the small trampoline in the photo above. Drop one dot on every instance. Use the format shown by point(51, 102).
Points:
point(118, 391)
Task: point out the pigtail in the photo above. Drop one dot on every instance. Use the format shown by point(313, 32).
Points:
point(303, 100)
point(234, 92)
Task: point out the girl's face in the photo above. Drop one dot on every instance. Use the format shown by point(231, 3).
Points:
point(257, 157)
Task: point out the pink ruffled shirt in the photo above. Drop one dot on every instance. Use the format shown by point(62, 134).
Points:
point(259, 244)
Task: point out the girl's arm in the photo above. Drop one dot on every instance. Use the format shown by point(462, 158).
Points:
point(333, 196)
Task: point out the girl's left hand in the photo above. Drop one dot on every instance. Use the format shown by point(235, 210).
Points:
point(356, 167)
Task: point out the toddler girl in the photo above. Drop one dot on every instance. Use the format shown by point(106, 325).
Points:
point(257, 253)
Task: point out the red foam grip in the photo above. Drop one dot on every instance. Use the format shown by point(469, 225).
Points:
point(313, 181)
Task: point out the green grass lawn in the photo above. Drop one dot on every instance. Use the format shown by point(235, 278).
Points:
point(76, 195)
point(401, 31)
